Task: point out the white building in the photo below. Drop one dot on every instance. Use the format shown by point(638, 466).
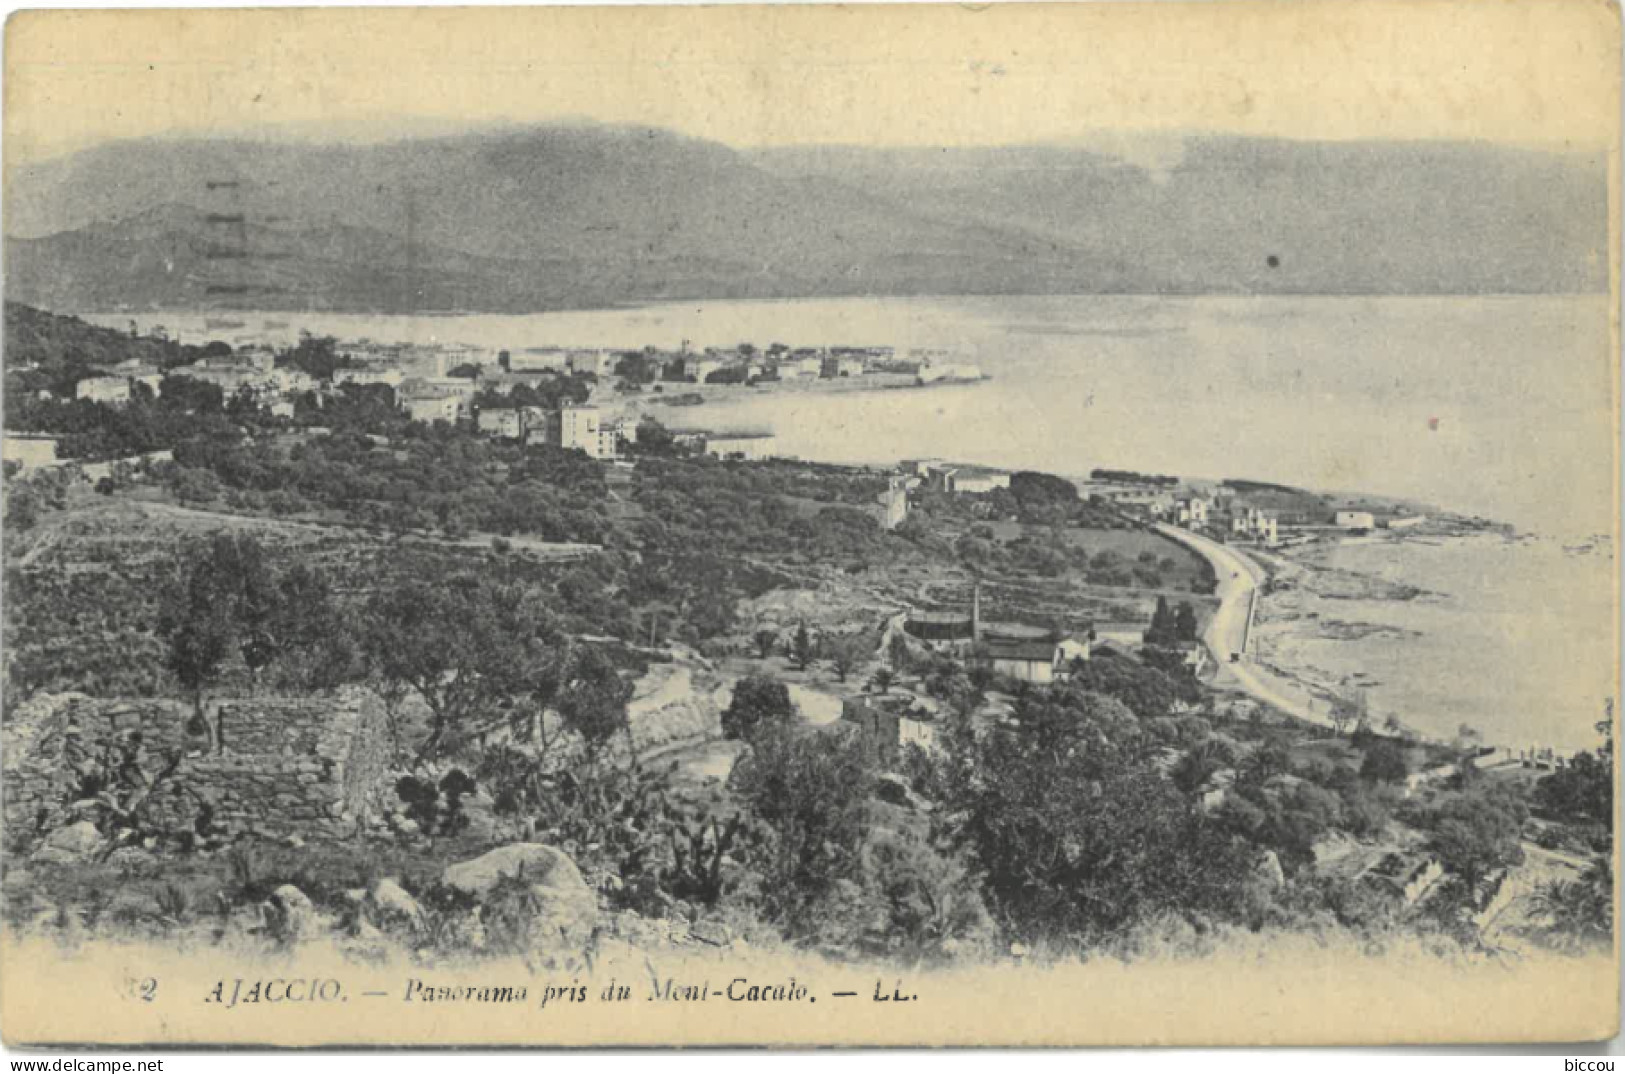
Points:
point(697, 368)
point(501, 421)
point(955, 479)
point(112, 390)
point(431, 408)
point(28, 451)
point(837, 366)
point(388, 375)
point(537, 360)
point(1192, 511)
point(893, 504)
point(598, 363)
point(1355, 520)
point(580, 427)
point(797, 367)
point(1251, 522)
point(750, 447)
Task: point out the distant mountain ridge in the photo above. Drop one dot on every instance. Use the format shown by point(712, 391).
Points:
point(536, 218)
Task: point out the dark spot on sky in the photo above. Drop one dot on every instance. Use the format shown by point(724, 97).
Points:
point(1272, 261)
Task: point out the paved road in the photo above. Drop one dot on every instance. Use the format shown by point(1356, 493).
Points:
point(1227, 632)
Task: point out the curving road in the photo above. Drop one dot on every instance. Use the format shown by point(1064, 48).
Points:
point(1229, 630)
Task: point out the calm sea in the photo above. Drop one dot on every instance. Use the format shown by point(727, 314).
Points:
point(1495, 406)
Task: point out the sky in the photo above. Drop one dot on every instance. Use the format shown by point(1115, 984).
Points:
point(1535, 72)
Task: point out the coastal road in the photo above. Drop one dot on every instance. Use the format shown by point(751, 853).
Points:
point(1228, 631)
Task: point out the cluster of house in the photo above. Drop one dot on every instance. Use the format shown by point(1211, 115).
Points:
point(1226, 512)
point(744, 364)
point(578, 426)
point(938, 475)
point(419, 377)
point(1028, 653)
point(251, 368)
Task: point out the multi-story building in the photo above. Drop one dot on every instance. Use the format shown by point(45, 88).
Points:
point(579, 429)
point(611, 434)
point(1192, 511)
point(598, 363)
point(893, 504)
point(1253, 522)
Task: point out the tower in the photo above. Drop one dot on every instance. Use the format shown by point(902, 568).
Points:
point(976, 612)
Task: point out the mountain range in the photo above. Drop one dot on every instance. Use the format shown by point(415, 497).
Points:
point(534, 218)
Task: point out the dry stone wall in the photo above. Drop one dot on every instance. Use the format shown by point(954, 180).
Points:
point(311, 766)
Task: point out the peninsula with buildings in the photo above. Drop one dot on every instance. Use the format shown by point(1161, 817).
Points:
point(438, 653)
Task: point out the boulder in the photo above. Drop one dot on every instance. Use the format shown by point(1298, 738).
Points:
point(560, 907)
point(391, 904)
point(293, 915)
point(74, 843)
point(538, 863)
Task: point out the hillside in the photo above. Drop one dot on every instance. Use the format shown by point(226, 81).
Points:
point(1208, 213)
point(545, 217)
point(542, 218)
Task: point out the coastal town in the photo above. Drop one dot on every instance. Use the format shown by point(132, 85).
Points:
point(708, 593)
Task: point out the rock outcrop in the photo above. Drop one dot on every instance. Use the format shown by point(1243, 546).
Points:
point(557, 906)
point(74, 843)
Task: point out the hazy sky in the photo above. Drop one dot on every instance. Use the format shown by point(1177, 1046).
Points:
point(1529, 72)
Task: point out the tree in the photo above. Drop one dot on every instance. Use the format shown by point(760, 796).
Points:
point(1184, 622)
point(317, 356)
point(1198, 765)
point(592, 698)
point(1266, 761)
point(847, 654)
point(883, 679)
point(478, 653)
point(1162, 631)
point(1034, 490)
point(1478, 834)
point(802, 649)
point(312, 639)
point(757, 702)
point(1348, 713)
point(766, 641)
point(1384, 762)
point(1582, 792)
point(218, 608)
point(811, 791)
point(1075, 832)
point(1578, 914)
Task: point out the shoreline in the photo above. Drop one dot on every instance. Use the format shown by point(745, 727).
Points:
point(1230, 629)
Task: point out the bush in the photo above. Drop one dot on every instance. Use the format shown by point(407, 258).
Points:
point(1384, 762)
point(758, 701)
point(811, 791)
